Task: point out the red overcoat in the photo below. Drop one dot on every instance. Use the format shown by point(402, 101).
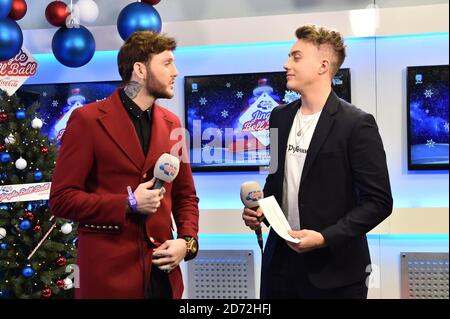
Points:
point(100, 156)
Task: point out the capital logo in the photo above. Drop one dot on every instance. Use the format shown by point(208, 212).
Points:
point(254, 196)
point(168, 169)
point(337, 81)
point(419, 78)
point(265, 105)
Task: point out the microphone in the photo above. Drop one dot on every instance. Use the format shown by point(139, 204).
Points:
point(251, 192)
point(166, 170)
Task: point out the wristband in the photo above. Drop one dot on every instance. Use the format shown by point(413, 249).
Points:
point(132, 202)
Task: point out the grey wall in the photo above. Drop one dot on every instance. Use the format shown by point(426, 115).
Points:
point(179, 10)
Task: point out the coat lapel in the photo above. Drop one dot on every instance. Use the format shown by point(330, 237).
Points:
point(119, 126)
point(321, 132)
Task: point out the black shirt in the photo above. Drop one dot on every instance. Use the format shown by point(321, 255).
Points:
point(159, 285)
point(142, 120)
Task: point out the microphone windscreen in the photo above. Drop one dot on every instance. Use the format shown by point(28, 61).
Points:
point(166, 168)
point(251, 192)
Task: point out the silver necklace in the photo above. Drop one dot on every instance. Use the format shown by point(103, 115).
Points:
point(304, 129)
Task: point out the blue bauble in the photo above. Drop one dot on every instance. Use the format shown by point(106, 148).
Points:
point(138, 16)
point(25, 225)
point(11, 38)
point(5, 157)
point(38, 176)
point(27, 272)
point(4, 294)
point(4, 246)
point(5, 8)
point(21, 115)
point(73, 47)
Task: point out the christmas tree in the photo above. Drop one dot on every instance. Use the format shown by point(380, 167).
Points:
point(37, 251)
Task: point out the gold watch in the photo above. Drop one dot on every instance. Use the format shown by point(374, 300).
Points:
point(191, 245)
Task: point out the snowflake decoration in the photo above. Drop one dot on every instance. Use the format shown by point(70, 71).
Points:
point(206, 147)
point(430, 143)
point(228, 85)
point(427, 111)
point(428, 93)
point(446, 126)
point(224, 114)
point(55, 103)
point(239, 94)
point(219, 130)
point(290, 96)
point(203, 101)
point(44, 93)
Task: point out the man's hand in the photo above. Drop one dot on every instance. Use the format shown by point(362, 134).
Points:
point(169, 254)
point(252, 219)
point(309, 240)
point(148, 200)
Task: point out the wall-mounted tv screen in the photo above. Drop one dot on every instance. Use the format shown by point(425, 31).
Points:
point(227, 117)
point(57, 101)
point(427, 112)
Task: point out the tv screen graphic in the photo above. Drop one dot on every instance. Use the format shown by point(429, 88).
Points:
point(57, 101)
point(227, 117)
point(427, 111)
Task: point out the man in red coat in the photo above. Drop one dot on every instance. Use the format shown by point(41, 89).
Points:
point(127, 250)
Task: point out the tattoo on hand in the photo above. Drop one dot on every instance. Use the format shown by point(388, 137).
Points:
point(132, 89)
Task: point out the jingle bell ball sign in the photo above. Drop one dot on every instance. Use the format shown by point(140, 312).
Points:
point(15, 71)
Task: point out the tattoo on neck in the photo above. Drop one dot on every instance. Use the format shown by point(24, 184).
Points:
point(132, 89)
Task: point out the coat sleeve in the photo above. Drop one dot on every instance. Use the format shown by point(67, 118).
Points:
point(371, 183)
point(68, 196)
point(184, 198)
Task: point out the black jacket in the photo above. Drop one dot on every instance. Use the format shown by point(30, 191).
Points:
point(344, 190)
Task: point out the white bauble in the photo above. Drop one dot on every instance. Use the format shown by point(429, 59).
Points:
point(68, 283)
point(66, 228)
point(10, 139)
point(21, 163)
point(2, 233)
point(88, 11)
point(36, 123)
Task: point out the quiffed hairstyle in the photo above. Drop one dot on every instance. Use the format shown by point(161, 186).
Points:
point(321, 36)
point(140, 47)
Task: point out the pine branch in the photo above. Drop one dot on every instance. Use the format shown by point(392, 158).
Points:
point(28, 144)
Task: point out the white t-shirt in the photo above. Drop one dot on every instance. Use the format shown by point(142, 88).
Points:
point(297, 147)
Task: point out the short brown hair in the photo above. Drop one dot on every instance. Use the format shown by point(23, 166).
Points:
point(318, 36)
point(140, 47)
